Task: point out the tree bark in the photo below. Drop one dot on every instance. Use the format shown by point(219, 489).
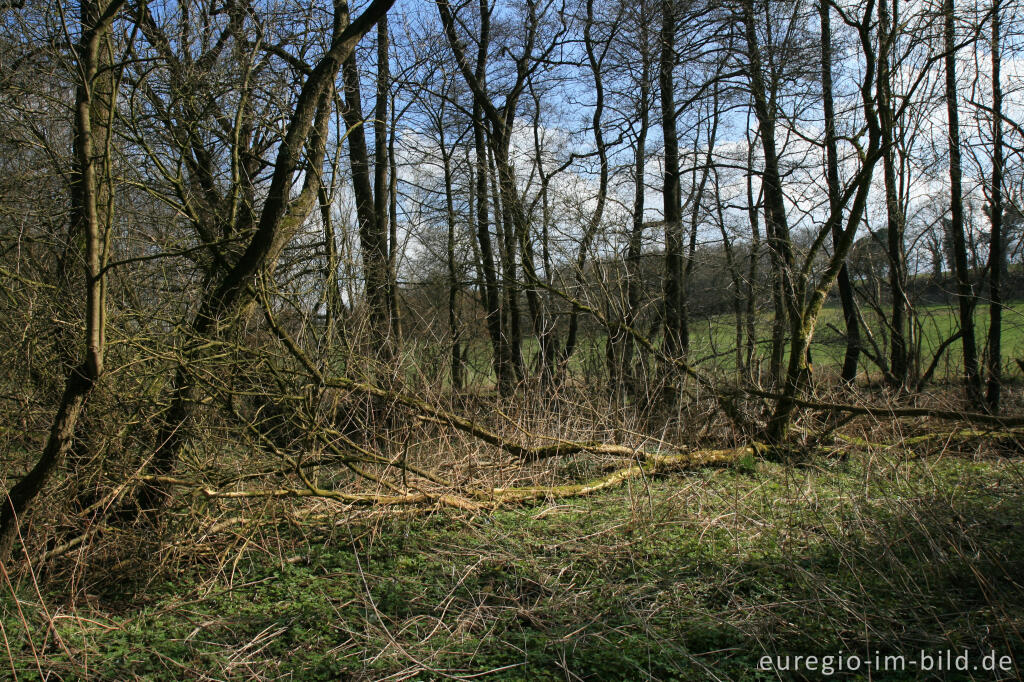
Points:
point(804, 309)
point(595, 61)
point(964, 288)
point(371, 200)
point(453, 279)
point(898, 357)
point(777, 225)
point(997, 256)
point(750, 312)
point(676, 333)
point(634, 249)
point(850, 359)
point(513, 214)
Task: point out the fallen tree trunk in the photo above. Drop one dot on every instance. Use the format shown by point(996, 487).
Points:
point(488, 499)
point(484, 499)
point(653, 464)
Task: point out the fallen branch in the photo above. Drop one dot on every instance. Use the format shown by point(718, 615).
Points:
point(71, 544)
point(654, 464)
point(324, 493)
point(947, 438)
point(481, 500)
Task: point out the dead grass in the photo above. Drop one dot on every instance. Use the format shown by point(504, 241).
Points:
point(916, 545)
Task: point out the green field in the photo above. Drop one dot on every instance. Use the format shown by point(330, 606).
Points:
point(713, 339)
point(713, 343)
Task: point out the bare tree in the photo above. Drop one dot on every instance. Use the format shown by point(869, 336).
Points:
point(849, 371)
point(372, 201)
point(676, 332)
point(997, 257)
point(965, 291)
point(91, 200)
point(281, 217)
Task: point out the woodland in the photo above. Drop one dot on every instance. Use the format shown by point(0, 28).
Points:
point(518, 339)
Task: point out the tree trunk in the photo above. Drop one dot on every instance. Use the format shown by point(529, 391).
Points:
point(91, 201)
point(281, 217)
point(997, 256)
point(513, 215)
point(595, 61)
point(849, 371)
point(333, 302)
point(803, 310)
point(776, 223)
point(750, 312)
point(634, 249)
point(898, 356)
point(492, 294)
point(371, 203)
point(453, 278)
point(676, 336)
point(964, 289)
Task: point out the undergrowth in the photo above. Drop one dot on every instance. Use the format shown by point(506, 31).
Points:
point(688, 577)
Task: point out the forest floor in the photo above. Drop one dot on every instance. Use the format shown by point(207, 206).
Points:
point(871, 552)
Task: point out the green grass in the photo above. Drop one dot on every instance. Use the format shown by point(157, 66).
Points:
point(713, 343)
point(715, 336)
point(683, 578)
